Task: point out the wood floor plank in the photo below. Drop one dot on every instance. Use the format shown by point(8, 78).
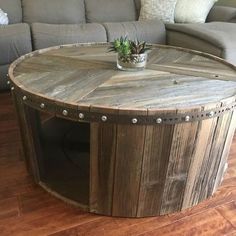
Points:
point(9, 208)
point(228, 211)
point(209, 223)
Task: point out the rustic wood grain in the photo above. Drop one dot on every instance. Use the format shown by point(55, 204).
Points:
point(102, 165)
point(86, 74)
point(207, 223)
point(223, 163)
point(28, 120)
point(182, 145)
point(41, 214)
point(136, 169)
point(215, 155)
point(199, 157)
point(158, 141)
point(130, 141)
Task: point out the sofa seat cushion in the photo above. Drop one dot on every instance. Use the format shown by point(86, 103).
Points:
point(217, 38)
point(47, 35)
point(13, 10)
point(152, 31)
point(54, 11)
point(15, 40)
point(110, 10)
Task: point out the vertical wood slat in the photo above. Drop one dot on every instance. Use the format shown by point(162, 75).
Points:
point(102, 162)
point(215, 155)
point(102, 158)
point(128, 168)
point(228, 141)
point(218, 147)
point(179, 160)
point(158, 141)
point(28, 119)
point(199, 157)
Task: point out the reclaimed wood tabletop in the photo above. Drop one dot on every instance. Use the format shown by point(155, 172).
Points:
point(86, 75)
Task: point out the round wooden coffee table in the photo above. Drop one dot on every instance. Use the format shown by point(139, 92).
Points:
point(122, 143)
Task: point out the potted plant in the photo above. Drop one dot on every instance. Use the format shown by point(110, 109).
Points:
point(131, 54)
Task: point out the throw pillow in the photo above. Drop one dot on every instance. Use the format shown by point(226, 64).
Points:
point(3, 18)
point(192, 11)
point(158, 9)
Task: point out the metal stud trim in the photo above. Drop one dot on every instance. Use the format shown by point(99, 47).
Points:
point(81, 116)
point(104, 118)
point(89, 116)
point(134, 120)
point(187, 118)
point(158, 120)
point(65, 113)
point(211, 114)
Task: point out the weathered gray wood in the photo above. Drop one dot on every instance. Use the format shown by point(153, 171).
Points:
point(182, 145)
point(215, 155)
point(158, 141)
point(223, 162)
point(102, 164)
point(87, 75)
point(136, 169)
point(199, 158)
point(130, 142)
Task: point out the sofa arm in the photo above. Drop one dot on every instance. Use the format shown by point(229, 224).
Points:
point(15, 40)
point(222, 13)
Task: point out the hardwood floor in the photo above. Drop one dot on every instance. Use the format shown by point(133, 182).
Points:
point(26, 209)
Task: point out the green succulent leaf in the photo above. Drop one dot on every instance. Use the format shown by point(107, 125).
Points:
point(125, 47)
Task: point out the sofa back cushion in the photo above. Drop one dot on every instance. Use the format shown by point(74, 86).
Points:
point(110, 10)
point(13, 10)
point(54, 11)
point(47, 35)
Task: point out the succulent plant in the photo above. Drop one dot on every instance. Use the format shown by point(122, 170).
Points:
point(138, 47)
point(126, 47)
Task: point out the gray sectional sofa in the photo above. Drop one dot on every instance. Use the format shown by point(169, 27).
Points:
point(36, 24)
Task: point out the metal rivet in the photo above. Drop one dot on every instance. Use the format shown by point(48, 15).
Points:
point(134, 121)
point(42, 105)
point(7, 75)
point(24, 98)
point(187, 118)
point(104, 118)
point(81, 115)
point(8, 82)
point(65, 112)
point(12, 88)
point(211, 114)
point(158, 120)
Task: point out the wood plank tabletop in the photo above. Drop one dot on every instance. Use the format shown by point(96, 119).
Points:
point(86, 75)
